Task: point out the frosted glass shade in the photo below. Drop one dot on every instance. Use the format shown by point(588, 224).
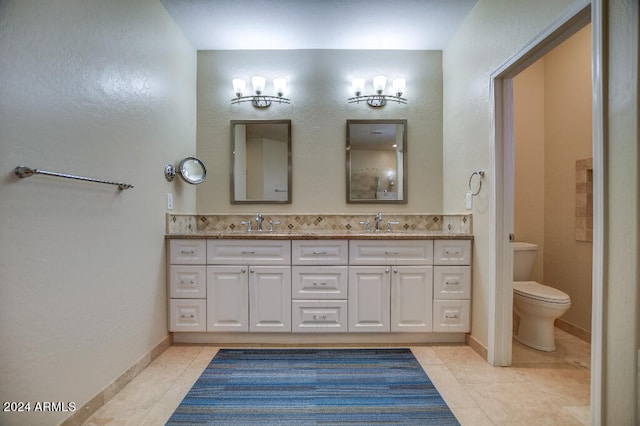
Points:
point(399, 84)
point(379, 83)
point(239, 86)
point(280, 84)
point(357, 85)
point(258, 83)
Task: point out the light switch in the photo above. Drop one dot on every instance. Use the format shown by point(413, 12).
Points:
point(468, 201)
point(169, 201)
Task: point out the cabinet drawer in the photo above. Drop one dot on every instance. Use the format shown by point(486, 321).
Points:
point(317, 316)
point(319, 282)
point(314, 252)
point(453, 316)
point(452, 252)
point(187, 315)
point(243, 252)
point(187, 282)
point(404, 252)
point(452, 282)
point(187, 252)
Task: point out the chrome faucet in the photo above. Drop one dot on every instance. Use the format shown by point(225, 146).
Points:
point(378, 221)
point(259, 220)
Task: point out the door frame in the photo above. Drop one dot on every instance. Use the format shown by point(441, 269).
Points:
point(499, 347)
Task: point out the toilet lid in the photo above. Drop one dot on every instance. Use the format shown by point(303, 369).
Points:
point(534, 290)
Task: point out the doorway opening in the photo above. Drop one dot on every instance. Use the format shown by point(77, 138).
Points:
point(577, 17)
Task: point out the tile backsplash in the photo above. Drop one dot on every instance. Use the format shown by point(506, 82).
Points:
point(185, 224)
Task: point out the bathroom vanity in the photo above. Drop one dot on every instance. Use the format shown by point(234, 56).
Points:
point(305, 287)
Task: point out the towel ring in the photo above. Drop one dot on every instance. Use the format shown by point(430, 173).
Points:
point(480, 174)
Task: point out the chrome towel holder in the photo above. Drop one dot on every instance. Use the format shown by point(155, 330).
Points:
point(23, 172)
point(480, 174)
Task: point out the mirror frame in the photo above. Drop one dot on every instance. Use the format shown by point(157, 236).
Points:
point(233, 163)
point(404, 163)
point(182, 169)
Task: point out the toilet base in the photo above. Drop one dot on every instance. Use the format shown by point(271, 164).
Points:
point(535, 332)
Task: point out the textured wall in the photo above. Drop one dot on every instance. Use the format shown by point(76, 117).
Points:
point(103, 89)
point(319, 85)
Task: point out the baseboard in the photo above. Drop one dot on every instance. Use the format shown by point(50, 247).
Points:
point(477, 347)
point(86, 410)
point(574, 330)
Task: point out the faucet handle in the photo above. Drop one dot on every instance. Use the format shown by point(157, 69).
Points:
point(271, 223)
point(391, 222)
point(367, 225)
point(248, 223)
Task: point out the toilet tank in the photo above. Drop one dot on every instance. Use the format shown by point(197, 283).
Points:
point(524, 257)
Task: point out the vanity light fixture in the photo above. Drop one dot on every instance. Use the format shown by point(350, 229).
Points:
point(259, 100)
point(379, 84)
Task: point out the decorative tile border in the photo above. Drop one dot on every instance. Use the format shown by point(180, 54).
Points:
point(584, 200)
point(184, 224)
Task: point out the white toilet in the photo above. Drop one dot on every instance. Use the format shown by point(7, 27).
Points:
point(536, 306)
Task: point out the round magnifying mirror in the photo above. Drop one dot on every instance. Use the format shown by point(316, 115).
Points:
point(192, 170)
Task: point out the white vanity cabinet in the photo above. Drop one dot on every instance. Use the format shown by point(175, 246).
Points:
point(452, 286)
point(249, 285)
point(187, 285)
point(319, 286)
point(390, 285)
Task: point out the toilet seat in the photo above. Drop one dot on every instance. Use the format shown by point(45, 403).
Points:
point(537, 291)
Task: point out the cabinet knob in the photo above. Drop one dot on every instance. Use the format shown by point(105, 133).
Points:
point(187, 252)
point(187, 316)
point(395, 270)
point(315, 317)
point(252, 270)
point(451, 316)
point(316, 283)
point(386, 270)
point(244, 270)
point(317, 252)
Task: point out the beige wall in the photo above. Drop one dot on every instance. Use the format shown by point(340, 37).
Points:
point(319, 85)
point(529, 164)
point(567, 262)
point(552, 107)
point(103, 89)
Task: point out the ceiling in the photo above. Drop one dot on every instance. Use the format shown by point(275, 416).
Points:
point(318, 24)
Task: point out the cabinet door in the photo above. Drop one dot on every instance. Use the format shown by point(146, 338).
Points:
point(269, 299)
point(227, 298)
point(369, 292)
point(411, 299)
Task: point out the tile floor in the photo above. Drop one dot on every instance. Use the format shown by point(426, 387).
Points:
point(539, 389)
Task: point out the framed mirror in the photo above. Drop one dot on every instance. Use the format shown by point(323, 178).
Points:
point(376, 161)
point(260, 161)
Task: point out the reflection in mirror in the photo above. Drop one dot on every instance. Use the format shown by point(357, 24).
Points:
point(261, 161)
point(376, 161)
point(192, 170)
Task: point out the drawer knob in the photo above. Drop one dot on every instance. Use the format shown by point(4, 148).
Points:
point(315, 317)
point(451, 316)
point(187, 282)
point(187, 252)
point(317, 252)
point(249, 252)
point(187, 316)
point(316, 283)
point(452, 283)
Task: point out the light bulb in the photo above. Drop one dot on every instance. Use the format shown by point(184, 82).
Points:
point(379, 83)
point(280, 84)
point(239, 86)
point(399, 84)
point(258, 83)
point(357, 85)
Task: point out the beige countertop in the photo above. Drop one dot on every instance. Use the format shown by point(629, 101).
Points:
point(323, 235)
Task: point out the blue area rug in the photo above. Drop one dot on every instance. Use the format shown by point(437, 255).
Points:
point(313, 386)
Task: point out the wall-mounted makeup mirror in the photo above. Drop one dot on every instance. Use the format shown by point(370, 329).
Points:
point(376, 161)
point(191, 170)
point(260, 161)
